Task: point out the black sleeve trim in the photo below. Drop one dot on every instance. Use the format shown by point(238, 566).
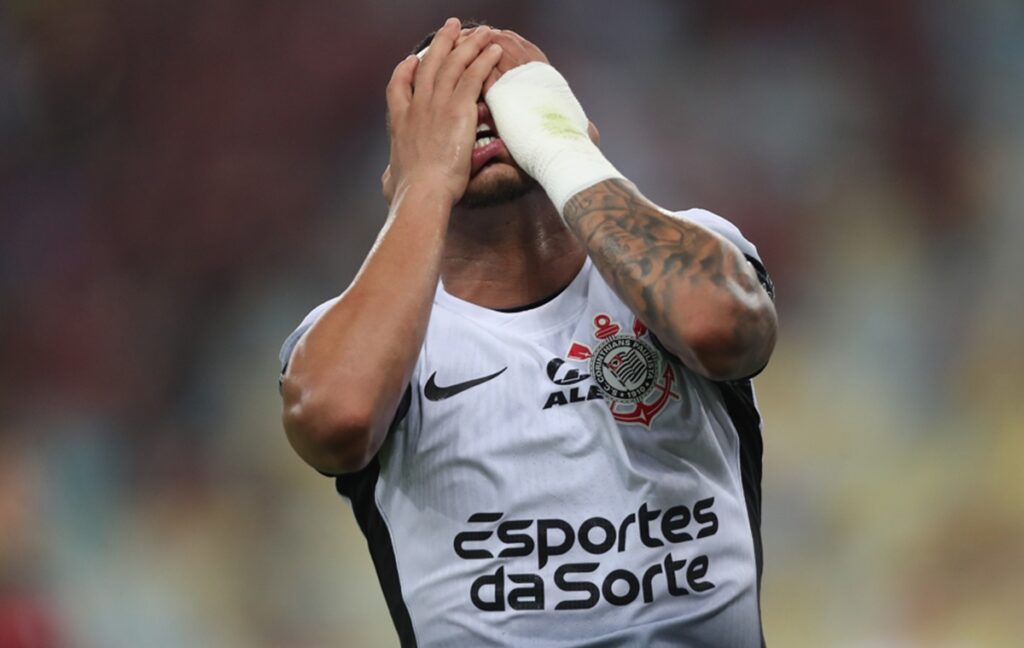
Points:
point(769, 286)
point(763, 276)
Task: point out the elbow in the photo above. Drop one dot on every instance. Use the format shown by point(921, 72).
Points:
point(735, 344)
point(331, 437)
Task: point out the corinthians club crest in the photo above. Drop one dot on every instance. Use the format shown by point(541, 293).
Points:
point(633, 376)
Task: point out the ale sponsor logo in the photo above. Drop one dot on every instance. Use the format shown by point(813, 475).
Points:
point(627, 371)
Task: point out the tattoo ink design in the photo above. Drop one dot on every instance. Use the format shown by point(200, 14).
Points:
point(666, 268)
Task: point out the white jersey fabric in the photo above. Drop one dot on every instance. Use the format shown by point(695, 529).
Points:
point(555, 478)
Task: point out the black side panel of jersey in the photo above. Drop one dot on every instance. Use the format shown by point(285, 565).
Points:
point(359, 489)
point(739, 403)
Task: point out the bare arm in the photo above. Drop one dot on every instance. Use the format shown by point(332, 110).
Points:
point(347, 374)
point(693, 288)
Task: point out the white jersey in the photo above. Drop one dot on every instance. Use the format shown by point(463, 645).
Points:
point(555, 478)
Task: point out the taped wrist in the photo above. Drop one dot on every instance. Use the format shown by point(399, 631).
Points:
point(545, 130)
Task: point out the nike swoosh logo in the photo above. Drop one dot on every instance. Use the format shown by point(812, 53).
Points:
point(435, 392)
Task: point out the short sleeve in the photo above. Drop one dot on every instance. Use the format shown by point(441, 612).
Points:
point(285, 356)
point(293, 339)
point(731, 233)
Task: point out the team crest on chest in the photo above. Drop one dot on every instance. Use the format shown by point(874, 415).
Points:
point(630, 372)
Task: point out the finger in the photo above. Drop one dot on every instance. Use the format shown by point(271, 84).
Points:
point(514, 52)
point(520, 39)
point(471, 82)
point(466, 33)
point(459, 60)
point(438, 49)
point(521, 50)
point(463, 35)
point(399, 90)
point(535, 53)
point(491, 79)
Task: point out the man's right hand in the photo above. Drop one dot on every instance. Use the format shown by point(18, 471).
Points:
point(432, 112)
point(348, 372)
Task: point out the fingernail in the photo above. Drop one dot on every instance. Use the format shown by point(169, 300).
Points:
point(450, 22)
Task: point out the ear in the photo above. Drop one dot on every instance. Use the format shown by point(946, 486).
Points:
point(595, 135)
point(387, 185)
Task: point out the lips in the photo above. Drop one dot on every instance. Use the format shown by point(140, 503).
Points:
point(488, 145)
point(486, 149)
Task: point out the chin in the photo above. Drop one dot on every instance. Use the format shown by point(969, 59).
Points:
point(496, 184)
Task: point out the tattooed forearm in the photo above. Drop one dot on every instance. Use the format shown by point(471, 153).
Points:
point(695, 290)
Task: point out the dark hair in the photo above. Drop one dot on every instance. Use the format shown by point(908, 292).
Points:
point(466, 24)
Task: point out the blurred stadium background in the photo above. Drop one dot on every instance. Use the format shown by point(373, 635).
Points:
point(180, 182)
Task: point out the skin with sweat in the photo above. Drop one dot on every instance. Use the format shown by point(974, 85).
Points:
point(488, 230)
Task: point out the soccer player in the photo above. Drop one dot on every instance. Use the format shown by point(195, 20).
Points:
point(536, 391)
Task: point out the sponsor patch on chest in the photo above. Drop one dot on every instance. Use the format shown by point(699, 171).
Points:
point(625, 368)
point(628, 372)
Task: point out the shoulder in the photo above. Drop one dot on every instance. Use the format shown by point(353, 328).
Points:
point(722, 227)
point(729, 231)
point(293, 338)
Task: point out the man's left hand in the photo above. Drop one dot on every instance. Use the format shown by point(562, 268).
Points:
point(516, 51)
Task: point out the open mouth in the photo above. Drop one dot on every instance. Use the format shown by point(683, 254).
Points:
point(484, 135)
point(487, 147)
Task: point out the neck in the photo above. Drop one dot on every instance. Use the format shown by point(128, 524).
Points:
point(509, 255)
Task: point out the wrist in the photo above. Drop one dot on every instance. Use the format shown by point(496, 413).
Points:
point(427, 188)
point(546, 131)
point(572, 169)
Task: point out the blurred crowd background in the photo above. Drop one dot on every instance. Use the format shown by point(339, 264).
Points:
point(180, 182)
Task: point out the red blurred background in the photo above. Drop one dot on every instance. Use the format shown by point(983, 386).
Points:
point(180, 182)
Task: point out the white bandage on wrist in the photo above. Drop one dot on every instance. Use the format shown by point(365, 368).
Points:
point(545, 129)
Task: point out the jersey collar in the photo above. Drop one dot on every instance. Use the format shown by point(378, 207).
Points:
point(559, 311)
